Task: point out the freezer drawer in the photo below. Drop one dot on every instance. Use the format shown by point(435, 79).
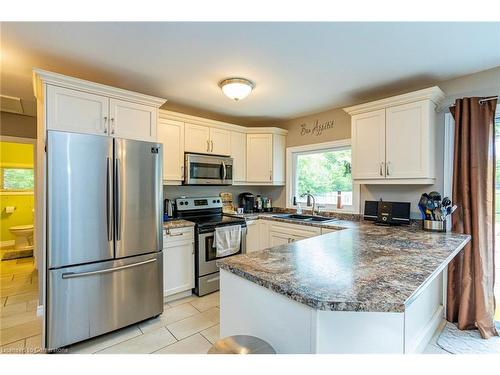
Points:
point(87, 301)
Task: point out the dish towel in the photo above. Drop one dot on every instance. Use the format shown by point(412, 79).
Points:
point(227, 240)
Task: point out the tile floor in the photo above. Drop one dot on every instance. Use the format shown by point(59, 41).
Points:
point(187, 326)
point(20, 328)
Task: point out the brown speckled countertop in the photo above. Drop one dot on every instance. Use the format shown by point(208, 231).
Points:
point(177, 223)
point(362, 268)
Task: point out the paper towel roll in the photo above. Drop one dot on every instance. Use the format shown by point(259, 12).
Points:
point(10, 209)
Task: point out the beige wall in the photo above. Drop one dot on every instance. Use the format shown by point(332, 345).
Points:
point(14, 125)
point(322, 127)
point(485, 83)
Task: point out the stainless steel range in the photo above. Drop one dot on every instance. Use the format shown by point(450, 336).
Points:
point(206, 213)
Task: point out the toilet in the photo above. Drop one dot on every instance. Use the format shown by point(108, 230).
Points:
point(24, 236)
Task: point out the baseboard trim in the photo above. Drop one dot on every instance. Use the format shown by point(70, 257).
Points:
point(177, 296)
point(430, 329)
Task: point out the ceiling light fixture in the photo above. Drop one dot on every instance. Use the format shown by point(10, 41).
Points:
point(236, 88)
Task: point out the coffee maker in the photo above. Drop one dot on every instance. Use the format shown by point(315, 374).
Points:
point(247, 202)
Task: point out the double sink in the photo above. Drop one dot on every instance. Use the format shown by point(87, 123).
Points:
point(304, 218)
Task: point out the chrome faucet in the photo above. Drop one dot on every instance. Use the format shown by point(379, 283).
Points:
point(309, 197)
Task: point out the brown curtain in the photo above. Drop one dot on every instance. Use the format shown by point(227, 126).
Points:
point(471, 274)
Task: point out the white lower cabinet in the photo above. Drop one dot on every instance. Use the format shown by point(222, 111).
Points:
point(253, 234)
point(178, 260)
point(262, 234)
point(278, 238)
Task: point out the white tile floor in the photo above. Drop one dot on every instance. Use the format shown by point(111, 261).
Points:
point(187, 326)
point(432, 347)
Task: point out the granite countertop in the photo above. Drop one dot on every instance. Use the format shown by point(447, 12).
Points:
point(177, 223)
point(337, 221)
point(362, 268)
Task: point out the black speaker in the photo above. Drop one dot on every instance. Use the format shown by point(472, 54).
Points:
point(371, 210)
point(388, 213)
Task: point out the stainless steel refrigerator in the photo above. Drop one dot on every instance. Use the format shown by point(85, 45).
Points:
point(104, 235)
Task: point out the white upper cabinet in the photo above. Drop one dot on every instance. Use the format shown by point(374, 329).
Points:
point(75, 105)
point(220, 141)
point(393, 138)
point(76, 111)
point(197, 138)
point(279, 151)
point(368, 144)
point(258, 153)
point(239, 155)
point(410, 141)
point(171, 135)
point(266, 158)
point(260, 158)
point(132, 120)
point(207, 140)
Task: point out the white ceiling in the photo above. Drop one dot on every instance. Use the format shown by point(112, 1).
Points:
point(298, 68)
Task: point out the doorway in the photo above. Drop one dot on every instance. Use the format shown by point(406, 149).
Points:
point(20, 326)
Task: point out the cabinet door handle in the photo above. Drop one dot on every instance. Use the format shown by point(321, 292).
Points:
point(175, 234)
point(105, 124)
point(381, 168)
point(270, 175)
point(212, 149)
point(112, 125)
point(208, 145)
point(387, 171)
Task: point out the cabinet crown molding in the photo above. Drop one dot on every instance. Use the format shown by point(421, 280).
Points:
point(43, 76)
point(434, 94)
point(177, 116)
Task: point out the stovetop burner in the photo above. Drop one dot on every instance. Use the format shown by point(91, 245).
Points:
point(215, 220)
point(205, 212)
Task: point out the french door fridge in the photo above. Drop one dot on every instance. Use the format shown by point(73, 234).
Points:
point(104, 235)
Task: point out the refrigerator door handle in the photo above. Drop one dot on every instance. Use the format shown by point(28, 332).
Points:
point(109, 193)
point(72, 275)
point(118, 210)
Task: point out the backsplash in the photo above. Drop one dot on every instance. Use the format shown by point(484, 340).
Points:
point(172, 192)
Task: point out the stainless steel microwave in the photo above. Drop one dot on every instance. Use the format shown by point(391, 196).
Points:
point(208, 170)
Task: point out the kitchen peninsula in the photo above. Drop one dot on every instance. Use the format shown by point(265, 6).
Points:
point(361, 289)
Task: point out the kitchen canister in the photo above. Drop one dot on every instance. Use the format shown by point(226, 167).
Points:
point(434, 225)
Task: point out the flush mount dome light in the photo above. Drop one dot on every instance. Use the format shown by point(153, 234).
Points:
point(236, 88)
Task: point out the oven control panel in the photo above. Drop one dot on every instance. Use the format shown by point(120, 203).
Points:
point(185, 204)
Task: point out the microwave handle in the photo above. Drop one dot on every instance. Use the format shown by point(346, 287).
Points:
point(224, 171)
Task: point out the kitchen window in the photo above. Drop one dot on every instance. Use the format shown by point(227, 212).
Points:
point(323, 170)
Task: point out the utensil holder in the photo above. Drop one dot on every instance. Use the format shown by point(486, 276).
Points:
point(434, 225)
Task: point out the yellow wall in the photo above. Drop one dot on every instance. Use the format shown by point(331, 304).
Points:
point(15, 154)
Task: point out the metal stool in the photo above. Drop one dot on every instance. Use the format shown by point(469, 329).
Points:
point(241, 344)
